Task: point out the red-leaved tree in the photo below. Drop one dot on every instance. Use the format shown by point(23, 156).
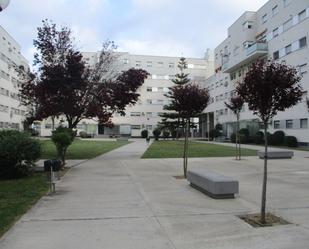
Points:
point(63, 85)
point(268, 88)
point(235, 105)
point(188, 100)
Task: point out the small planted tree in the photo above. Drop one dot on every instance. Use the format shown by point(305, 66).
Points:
point(156, 133)
point(188, 100)
point(236, 104)
point(269, 87)
point(63, 137)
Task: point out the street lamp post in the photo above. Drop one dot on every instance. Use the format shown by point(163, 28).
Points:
point(4, 4)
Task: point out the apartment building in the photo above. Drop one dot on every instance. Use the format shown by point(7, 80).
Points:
point(145, 115)
point(279, 31)
point(11, 113)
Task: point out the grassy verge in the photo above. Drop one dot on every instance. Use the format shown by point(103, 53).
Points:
point(17, 196)
point(81, 149)
point(174, 149)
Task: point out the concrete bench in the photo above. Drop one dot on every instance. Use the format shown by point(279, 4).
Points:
point(276, 154)
point(213, 184)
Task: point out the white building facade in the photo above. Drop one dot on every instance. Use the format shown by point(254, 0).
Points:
point(279, 31)
point(145, 114)
point(12, 114)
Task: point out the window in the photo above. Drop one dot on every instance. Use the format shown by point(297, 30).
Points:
point(302, 69)
point(275, 10)
point(286, 2)
point(264, 18)
point(149, 63)
point(149, 101)
point(233, 76)
point(149, 127)
point(149, 114)
point(138, 63)
point(165, 89)
point(277, 124)
point(289, 124)
point(302, 15)
point(276, 55)
point(149, 89)
point(288, 24)
point(160, 64)
point(171, 65)
point(247, 25)
point(303, 42)
point(288, 49)
point(135, 127)
point(48, 126)
point(275, 32)
point(160, 102)
point(304, 123)
point(135, 114)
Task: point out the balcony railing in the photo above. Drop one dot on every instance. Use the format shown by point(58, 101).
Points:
point(251, 53)
point(257, 47)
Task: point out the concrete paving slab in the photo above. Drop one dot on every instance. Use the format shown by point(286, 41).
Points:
point(119, 201)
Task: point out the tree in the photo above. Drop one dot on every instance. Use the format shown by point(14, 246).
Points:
point(188, 100)
point(63, 137)
point(171, 120)
point(63, 85)
point(269, 87)
point(236, 104)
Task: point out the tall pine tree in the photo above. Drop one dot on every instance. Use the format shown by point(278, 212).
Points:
point(171, 120)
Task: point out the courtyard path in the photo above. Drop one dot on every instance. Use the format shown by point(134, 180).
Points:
point(119, 201)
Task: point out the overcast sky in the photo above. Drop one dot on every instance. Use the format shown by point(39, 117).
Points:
point(155, 27)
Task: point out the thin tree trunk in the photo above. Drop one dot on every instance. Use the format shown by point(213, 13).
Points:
point(184, 158)
point(53, 123)
point(264, 190)
point(185, 150)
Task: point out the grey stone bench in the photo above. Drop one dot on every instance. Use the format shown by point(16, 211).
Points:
point(213, 184)
point(276, 154)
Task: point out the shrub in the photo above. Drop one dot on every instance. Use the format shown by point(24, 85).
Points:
point(144, 133)
point(291, 141)
point(166, 134)
point(233, 138)
point(214, 133)
point(174, 134)
point(62, 138)
point(259, 137)
point(244, 135)
point(278, 138)
point(18, 152)
point(219, 127)
point(156, 132)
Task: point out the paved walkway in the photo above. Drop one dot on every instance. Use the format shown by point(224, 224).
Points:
point(118, 201)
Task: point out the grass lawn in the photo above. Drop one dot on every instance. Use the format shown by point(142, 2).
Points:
point(17, 196)
point(81, 149)
point(174, 149)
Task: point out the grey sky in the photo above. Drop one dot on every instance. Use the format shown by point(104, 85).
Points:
point(156, 27)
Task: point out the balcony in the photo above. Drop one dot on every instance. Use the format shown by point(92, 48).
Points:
point(251, 53)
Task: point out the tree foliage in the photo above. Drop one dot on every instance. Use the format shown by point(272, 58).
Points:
point(64, 85)
point(189, 100)
point(236, 104)
point(171, 120)
point(268, 88)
